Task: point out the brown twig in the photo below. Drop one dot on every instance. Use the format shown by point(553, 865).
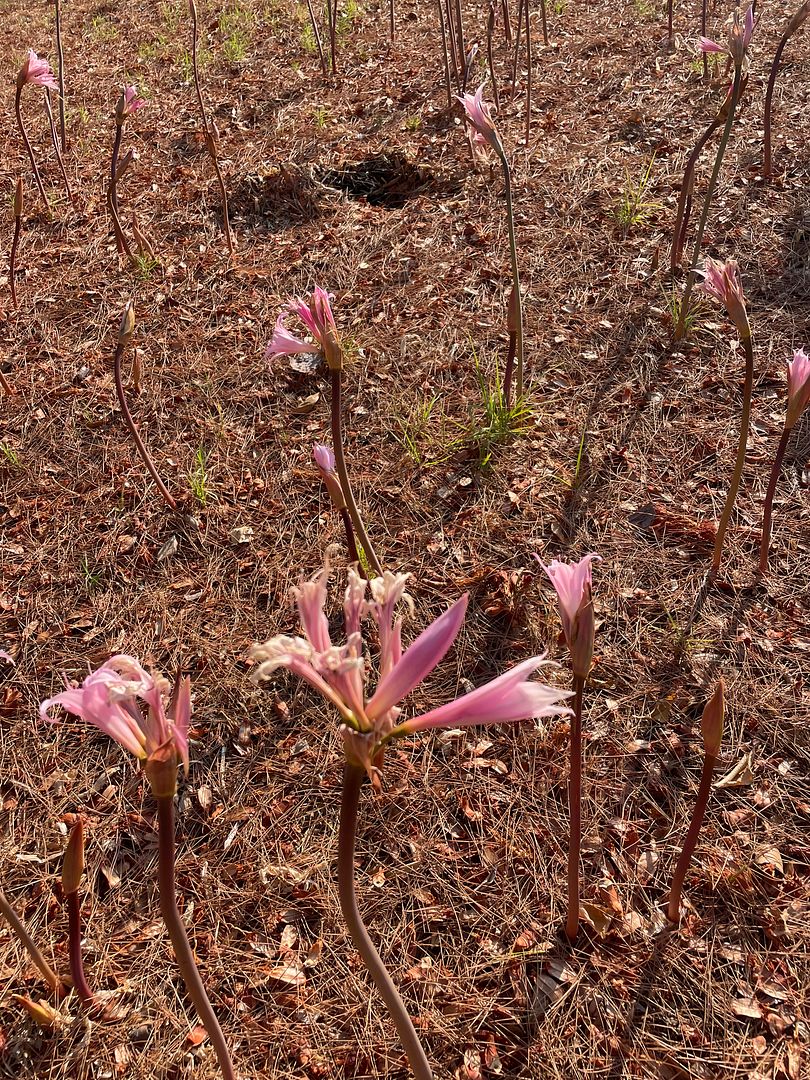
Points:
point(352, 779)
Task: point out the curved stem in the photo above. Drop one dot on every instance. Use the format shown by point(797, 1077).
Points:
point(718, 161)
point(133, 430)
point(343, 475)
point(704, 11)
point(75, 949)
point(685, 197)
point(210, 140)
point(490, 59)
point(55, 141)
point(61, 77)
point(13, 258)
point(177, 933)
point(704, 791)
point(742, 443)
point(510, 220)
point(112, 198)
point(765, 543)
point(766, 164)
point(28, 147)
point(575, 812)
point(351, 543)
point(25, 939)
point(352, 779)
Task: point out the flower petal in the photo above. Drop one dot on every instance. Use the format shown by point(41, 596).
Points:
point(418, 660)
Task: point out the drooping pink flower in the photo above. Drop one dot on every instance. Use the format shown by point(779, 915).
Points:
point(37, 72)
point(572, 582)
point(110, 699)
point(478, 114)
point(723, 282)
point(798, 386)
point(319, 320)
point(739, 38)
point(338, 672)
point(128, 103)
point(325, 460)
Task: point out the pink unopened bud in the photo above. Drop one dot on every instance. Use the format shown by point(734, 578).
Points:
point(127, 326)
point(798, 386)
point(73, 864)
point(722, 281)
point(37, 72)
point(128, 103)
point(18, 198)
point(325, 460)
point(711, 723)
point(572, 582)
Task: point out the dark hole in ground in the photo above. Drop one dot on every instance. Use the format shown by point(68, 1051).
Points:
point(286, 196)
point(386, 180)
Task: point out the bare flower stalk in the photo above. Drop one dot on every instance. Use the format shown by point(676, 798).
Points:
point(209, 131)
point(116, 171)
point(685, 195)
point(124, 336)
point(55, 141)
point(507, 22)
point(767, 516)
point(460, 38)
point(712, 728)
point(704, 12)
point(445, 60)
point(318, 43)
point(352, 779)
point(451, 31)
point(60, 75)
point(544, 22)
point(72, 870)
point(331, 10)
point(513, 255)
point(794, 24)
point(575, 812)
point(739, 463)
point(528, 72)
point(28, 943)
point(721, 150)
point(391, 18)
point(6, 386)
point(28, 147)
point(18, 209)
point(517, 47)
point(343, 473)
point(490, 60)
point(184, 955)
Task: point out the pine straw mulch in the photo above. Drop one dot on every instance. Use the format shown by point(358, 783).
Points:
point(627, 452)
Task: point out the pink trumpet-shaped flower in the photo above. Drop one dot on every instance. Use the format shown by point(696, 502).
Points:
point(338, 671)
point(325, 460)
point(739, 38)
point(479, 115)
point(37, 72)
point(319, 320)
point(128, 103)
point(798, 386)
point(110, 699)
point(723, 282)
point(572, 582)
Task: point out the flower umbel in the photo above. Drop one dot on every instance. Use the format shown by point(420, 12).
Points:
point(317, 316)
point(572, 582)
point(111, 699)
point(722, 281)
point(338, 672)
point(37, 72)
point(798, 386)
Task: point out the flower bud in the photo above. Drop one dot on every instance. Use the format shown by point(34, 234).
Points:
point(127, 324)
point(161, 771)
point(711, 723)
point(332, 352)
point(18, 198)
point(73, 863)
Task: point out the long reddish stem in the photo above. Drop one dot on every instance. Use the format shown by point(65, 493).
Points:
point(112, 198)
point(575, 812)
point(61, 77)
point(343, 474)
point(183, 952)
point(28, 147)
point(132, 428)
point(689, 844)
point(75, 949)
point(767, 164)
point(352, 779)
point(685, 197)
point(12, 269)
point(767, 516)
point(739, 464)
point(55, 141)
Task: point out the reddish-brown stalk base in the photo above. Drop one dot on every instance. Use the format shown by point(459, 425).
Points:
point(767, 515)
point(689, 844)
point(575, 812)
point(80, 983)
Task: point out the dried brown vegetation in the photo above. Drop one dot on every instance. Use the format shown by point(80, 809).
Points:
point(461, 864)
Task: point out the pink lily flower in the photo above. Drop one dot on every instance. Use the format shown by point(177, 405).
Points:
point(6, 657)
point(723, 282)
point(110, 697)
point(338, 672)
point(798, 386)
point(319, 320)
point(479, 115)
point(37, 72)
point(739, 38)
point(572, 582)
point(128, 103)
